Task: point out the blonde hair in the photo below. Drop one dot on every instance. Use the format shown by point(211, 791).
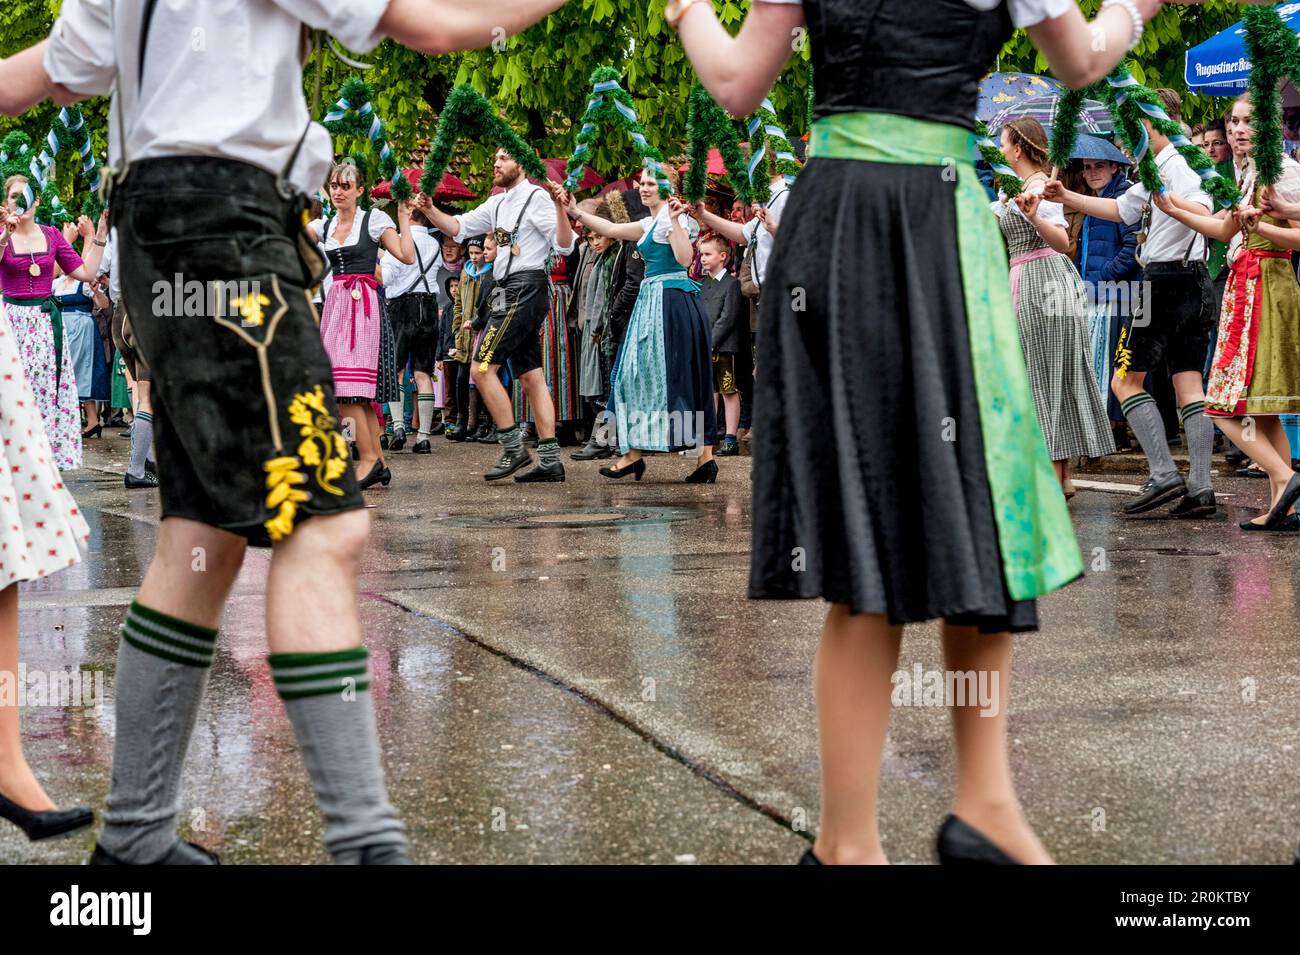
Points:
point(345, 170)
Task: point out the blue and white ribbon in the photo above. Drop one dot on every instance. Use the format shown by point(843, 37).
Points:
point(998, 168)
point(1121, 83)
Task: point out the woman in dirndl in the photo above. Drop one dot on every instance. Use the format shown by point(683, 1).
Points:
point(926, 490)
point(26, 280)
point(1051, 310)
point(354, 327)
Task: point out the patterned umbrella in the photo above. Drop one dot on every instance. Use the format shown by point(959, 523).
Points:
point(998, 91)
point(1093, 118)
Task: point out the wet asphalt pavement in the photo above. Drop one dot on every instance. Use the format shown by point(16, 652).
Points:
point(571, 673)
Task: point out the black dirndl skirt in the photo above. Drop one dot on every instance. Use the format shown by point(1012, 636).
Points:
point(869, 481)
point(388, 387)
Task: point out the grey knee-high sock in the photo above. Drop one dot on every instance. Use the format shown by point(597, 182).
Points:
point(162, 671)
point(427, 405)
point(511, 438)
point(327, 697)
point(1200, 445)
point(1144, 417)
point(141, 443)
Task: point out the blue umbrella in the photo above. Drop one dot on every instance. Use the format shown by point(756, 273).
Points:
point(1094, 147)
point(1219, 66)
point(998, 91)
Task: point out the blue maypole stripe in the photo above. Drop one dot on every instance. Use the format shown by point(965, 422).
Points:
point(606, 86)
point(628, 112)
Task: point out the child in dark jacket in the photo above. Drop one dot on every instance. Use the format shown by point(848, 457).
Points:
point(724, 306)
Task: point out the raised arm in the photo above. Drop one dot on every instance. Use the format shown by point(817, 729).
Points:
point(400, 247)
point(614, 230)
point(678, 238)
point(1096, 206)
point(93, 243)
point(1215, 228)
point(445, 26)
point(739, 70)
point(733, 231)
point(24, 82)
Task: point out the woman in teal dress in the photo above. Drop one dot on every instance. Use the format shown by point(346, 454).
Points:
point(661, 387)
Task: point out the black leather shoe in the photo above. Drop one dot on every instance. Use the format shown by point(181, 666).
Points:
point(592, 452)
point(706, 473)
point(1278, 512)
point(383, 855)
point(133, 482)
point(487, 434)
point(422, 447)
point(1200, 504)
point(636, 468)
point(542, 473)
point(1154, 493)
point(808, 858)
point(183, 853)
point(438, 428)
point(1289, 525)
point(378, 475)
point(959, 844)
point(384, 441)
point(49, 824)
point(471, 434)
point(398, 442)
point(509, 463)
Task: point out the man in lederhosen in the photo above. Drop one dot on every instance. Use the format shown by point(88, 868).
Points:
point(523, 220)
point(214, 154)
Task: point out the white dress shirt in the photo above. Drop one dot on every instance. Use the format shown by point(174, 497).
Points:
point(221, 78)
point(536, 237)
point(1168, 240)
point(400, 278)
point(108, 266)
point(756, 232)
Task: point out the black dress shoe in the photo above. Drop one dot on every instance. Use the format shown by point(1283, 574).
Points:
point(1156, 492)
point(398, 442)
point(1290, 524)
point(471, 434)
point(94, 432)
point(438, 428)
point(1200, 504)
point(706, 473)
point(456, 432)
point(636, 468)
point(422, 447)
point(592, 452)
point(542, 473)
point(808, 858)
point(1251, 472)
point(384, 441)
point(1278, 512)
point(960, 844)
point(508, 463)
point(133, 482)
point(378, 475)
point(183, 853)
point(48, 824)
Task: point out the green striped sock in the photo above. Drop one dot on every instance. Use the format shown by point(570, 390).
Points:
point(1128, 404)
point(1200, 445)
point(1186, 411)
point(162, 672)
point(167, 637)
point(1144, 417)
point(299, 675)
point(336, 734)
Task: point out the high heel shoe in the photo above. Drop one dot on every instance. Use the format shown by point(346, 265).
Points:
point(636, 468)
point(48, 824)
point(808, 858)
point(960, 844)
point(706, 473)
point(94, 432)
point(377, 474)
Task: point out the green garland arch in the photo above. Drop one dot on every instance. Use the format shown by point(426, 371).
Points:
point(18, 157)
point(354, 115)
point(611, 106)
point(1129, 103)
point(767, 140)
point(707, 124)
point(1274, 55)
point(468, 111)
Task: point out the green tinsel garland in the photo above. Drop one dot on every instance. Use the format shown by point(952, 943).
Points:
point(467, 111)
point(16, 154)
point(359, 119)
point(1128, 118)
point(767, 135)
point(1274, 55)
point(611, 106)
point(707, 124)
point(1004, 176)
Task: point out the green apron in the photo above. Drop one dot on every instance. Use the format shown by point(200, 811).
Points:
point(49, 305)
point(1039, 551)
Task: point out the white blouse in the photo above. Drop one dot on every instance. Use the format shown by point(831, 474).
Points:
point(379, 221)
point(662, 225)
point(1024, 13)
point(1052, 212)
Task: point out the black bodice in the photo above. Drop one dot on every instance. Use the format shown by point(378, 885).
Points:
point(356, 259)
point(920, 58)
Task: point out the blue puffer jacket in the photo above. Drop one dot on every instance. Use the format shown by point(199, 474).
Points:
point(1107, 250)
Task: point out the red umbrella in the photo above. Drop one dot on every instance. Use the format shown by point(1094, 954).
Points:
point(716, 166)
point(621, 185)
point(449, 190)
